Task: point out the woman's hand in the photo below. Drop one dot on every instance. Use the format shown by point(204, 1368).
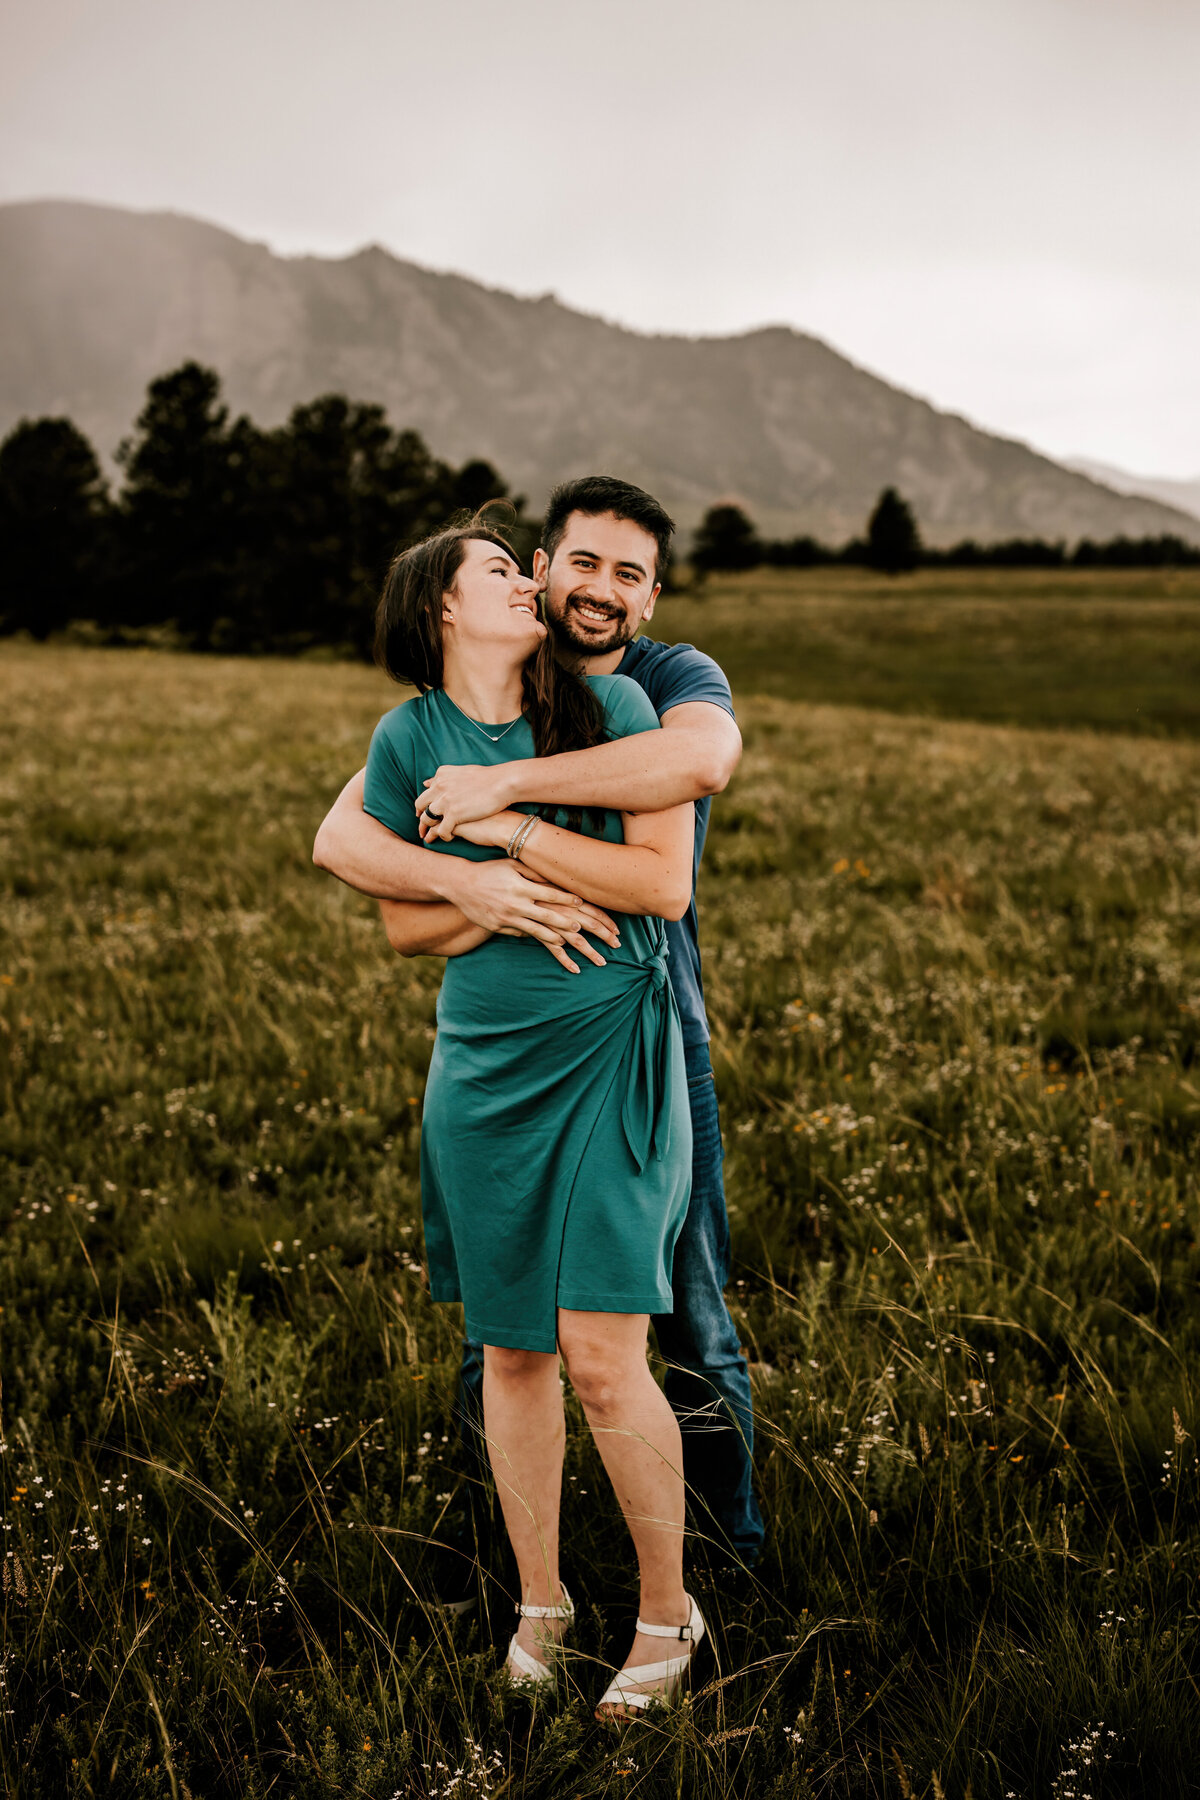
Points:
point(564, 932)
point(562, 926)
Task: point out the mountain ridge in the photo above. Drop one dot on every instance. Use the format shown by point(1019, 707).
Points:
point(1172, 490)
point(96, 301)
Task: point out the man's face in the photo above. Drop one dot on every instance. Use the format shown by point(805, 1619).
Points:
point(600, 586)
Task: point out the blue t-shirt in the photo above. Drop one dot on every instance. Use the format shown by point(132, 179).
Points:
point(671, 675)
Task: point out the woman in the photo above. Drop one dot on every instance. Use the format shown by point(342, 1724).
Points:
point(556, 1135)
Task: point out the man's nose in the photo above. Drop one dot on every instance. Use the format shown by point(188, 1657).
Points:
point(601, 586)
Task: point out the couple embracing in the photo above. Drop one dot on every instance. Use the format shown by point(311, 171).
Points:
point(536, 816)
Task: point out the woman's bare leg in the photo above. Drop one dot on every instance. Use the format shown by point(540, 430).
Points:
point(523, 1423)
point(637, 1435)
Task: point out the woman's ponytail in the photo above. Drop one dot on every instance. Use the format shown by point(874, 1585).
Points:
point(563, 712)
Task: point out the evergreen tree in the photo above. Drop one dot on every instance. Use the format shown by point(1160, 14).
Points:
point(476, 483)
point(349, 491)
point(893, 541)
point(188, 478)
point(54, 512)
point(475, 486)
point(726, 539)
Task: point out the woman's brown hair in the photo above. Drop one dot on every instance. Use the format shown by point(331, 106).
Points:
point(562, 710)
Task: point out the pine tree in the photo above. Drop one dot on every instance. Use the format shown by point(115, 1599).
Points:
point(183, 509)
point(893, 540)
point(349, 492)
point(54, 512)
point(725, 539)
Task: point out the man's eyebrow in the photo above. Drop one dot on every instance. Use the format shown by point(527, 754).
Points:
point(626, 562)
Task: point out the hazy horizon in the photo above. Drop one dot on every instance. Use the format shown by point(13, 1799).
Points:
point(990, 208)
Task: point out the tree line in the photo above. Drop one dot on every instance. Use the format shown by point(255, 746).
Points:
point(237, 538)
point(727, 540)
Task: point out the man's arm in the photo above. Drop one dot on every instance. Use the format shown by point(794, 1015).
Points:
point(693, 755)
point(366, 855)
point(460, 895)
point(429, 928)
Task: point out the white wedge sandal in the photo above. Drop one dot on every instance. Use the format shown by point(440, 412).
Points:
point(525, 1671)
point(673, 1674)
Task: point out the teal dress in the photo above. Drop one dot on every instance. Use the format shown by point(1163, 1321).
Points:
point(556, 1137)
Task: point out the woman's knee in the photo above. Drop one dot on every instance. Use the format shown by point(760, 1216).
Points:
point(515, 1367)
point(603, 1373)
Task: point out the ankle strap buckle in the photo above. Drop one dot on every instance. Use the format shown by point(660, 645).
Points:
point(683, 1634)
point(564, 1610)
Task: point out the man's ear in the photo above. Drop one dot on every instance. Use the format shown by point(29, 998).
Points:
point(648, 609)
point(541, 566)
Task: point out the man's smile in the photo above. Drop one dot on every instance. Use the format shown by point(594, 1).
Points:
point(591, 613)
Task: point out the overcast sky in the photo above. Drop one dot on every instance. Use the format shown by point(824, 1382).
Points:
point(993, 203)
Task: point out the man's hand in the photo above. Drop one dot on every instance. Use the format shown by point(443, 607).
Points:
point(502, 898)
point(458, 794)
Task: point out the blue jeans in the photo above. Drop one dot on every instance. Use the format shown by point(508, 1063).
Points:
point(707, 1381)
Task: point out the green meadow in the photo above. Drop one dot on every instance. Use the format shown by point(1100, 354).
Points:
point(951, 916)
point(1115, 650)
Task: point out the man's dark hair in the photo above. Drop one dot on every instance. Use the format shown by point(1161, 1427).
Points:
point(595, 494)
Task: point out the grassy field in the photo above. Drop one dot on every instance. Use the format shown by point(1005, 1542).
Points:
point(1115, 650)
point(954, 973)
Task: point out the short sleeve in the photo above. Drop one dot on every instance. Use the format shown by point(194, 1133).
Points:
point(627, 708)
point(682, 674)
point(390, 788)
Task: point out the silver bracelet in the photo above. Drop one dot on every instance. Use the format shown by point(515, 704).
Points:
point(518, 827)
point(523, 837)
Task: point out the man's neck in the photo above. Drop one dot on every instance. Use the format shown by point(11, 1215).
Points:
point(608, 664)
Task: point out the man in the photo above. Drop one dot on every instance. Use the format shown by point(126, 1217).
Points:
point(605, 547)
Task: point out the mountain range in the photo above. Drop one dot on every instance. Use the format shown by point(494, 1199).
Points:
point(1169, 489)
point(95, 301)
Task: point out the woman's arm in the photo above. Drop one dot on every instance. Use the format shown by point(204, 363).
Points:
point(651, 872)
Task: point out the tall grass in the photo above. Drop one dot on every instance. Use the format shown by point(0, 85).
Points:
point(954, 972)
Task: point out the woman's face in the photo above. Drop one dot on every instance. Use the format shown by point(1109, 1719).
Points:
point(491, 602)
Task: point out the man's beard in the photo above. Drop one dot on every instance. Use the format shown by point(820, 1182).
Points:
point(587, 642)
